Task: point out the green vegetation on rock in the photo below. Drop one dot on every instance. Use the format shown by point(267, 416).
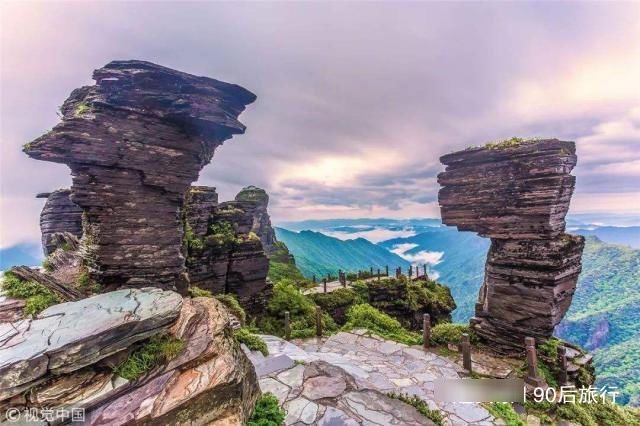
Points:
point(336, 303)
point(231, 302)
point(506, 143)
point(504, 411)
point(420, 405)
point(199, 292)
point(366, 316)
point(36, 296)
point(251, 340)
point(81, 108)
point(156, 351)
point(85, 283)
point(267, 412)
point(221, 235)
point(287, 297)
point(445, 333)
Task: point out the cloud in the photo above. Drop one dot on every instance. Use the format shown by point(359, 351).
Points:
point(375, 235)
point(417, 258)
point(356, 101)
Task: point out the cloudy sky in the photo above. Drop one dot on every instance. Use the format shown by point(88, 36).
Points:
point(356, 101)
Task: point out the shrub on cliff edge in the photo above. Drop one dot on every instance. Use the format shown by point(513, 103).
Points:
point(267, 411)
point(366, 316)
point(36, 296)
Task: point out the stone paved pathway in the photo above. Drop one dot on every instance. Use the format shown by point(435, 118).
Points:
point(344, 379)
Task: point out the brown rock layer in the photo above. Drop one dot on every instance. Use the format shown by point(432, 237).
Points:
point(135, 141)
point(209, 382)
point(59, 215)
point(517, 193)
point(225, 254)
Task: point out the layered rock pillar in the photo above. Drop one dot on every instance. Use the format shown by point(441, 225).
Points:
point(59, 215)
point(517, 193)
point(135, 141)
point(227, 244)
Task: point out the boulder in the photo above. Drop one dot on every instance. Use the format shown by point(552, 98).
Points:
point(135, 141)
point(210, 382)
point(10, 309)
point(69, 336)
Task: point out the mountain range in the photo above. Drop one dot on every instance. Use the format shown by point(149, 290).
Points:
point(318, 254)
point(605, 313)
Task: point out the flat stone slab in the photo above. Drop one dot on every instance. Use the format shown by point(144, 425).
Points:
point(349, 374)
point(70, 336)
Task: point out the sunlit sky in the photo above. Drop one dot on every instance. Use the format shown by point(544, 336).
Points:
point(356, 101)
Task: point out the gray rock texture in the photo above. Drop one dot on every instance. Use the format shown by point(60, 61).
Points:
point(345, 379)
point(69, 336)
point(517, 193)
point(135, 141)
point(59, 215)
point(209, 382)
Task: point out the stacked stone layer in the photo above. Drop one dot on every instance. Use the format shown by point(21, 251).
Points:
point(518, 195)
point(256, 200)
point(135, 141)
point(240, 267)
point(67, 357)
point(59, 215)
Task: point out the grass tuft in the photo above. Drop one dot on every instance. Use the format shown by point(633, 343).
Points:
point(36, 296)
point(155, 351)
point(420, 405)
point(252, 341)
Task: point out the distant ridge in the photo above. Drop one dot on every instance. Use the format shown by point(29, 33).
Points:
point(319, 254)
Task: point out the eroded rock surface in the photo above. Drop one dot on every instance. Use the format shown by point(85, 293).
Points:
point(135, 141)
point(73, 335)
point(59, 215)
point(226, 253)
point(210, 381)
point(517, 193)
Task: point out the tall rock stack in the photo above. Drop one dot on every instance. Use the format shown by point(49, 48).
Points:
point(225, 252)
point(135, 141)
point(256, 200)
point(517, 193)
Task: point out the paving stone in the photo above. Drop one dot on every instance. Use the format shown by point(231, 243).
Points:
point(335, 417)
point(324, 387)
point(300, 410)
point(280, 390)
point(272, 364)
point(292, 377)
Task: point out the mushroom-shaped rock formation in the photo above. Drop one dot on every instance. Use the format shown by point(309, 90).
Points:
point(135, 141)
point(517, 193)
